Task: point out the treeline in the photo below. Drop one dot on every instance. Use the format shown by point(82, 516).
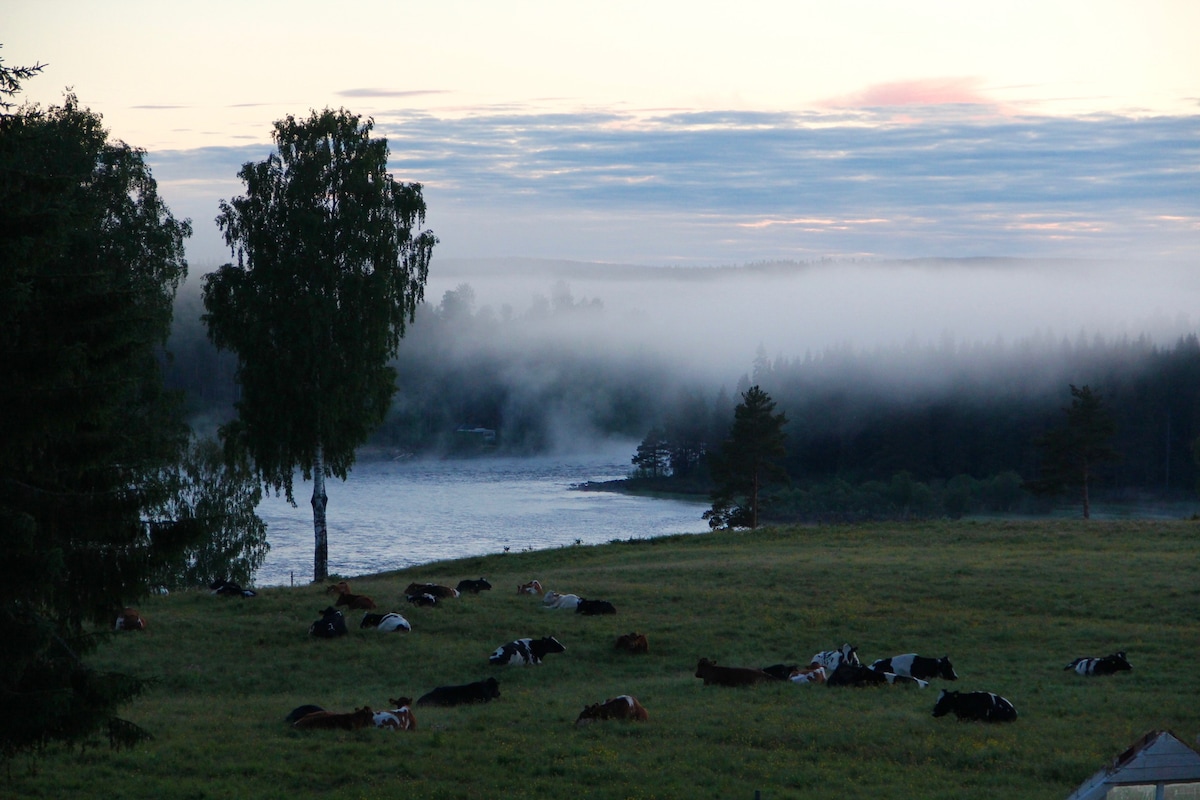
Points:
point(957, 419)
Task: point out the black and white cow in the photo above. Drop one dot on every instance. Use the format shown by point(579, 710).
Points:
point(424, 599)
point(387, 623)
point(830, 659)
point(1105, 665)
point(478, 692)
point(981, 706)
point(915, 666)
point(594, 607)
point(474, 587)
point(331, 624)
point(525, 651)
point(857, 675)
point(230, 589)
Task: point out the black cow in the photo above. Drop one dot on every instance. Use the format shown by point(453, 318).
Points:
point(1106, 665)
point(525, 651)
point(331, 624)
point(478, 692)
point(982, 706)
point(301, 711)
point(230, 589)
point(915, 666)
point(593, 607)
point(474, 587)
point(857, 675)
point(781, 671)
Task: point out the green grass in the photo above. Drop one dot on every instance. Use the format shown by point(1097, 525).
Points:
point(1010, 602)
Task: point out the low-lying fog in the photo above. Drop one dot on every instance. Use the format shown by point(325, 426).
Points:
point(712, 322)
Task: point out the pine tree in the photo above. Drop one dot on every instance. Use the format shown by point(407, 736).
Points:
point(1072, 453)
point(746, 462)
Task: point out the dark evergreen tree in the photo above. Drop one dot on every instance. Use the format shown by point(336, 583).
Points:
point(653, 457)
point(329, 272)
point(1072, 453)
point(747, 461)
point(90, 259)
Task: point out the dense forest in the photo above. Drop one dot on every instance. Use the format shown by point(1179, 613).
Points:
point(942, 427)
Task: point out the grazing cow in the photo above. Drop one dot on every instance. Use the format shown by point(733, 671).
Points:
point(830, 659)
point(1105, 665)
point(730, 676)
point(331, 624)
point(982, 706)
point(423, 599)
point(633, 642)
point(915, 666)
point(329, 720)
point(435, 589)
point(809, 674)
point(230, 589)
point(301, 711)
point(857, 675)
point(400, 718)
point(623, 707)
point(533, 587)
point(129, 620)
point(387, 623)
point(594, 607)
point(474, 587)
point(525, 651)
point(478, 692)
point(557, 600)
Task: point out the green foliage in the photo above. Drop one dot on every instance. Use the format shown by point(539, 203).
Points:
point(329, 273)
point(653, 456)
point(1010, 603)
point(91, 260)
point(1072, 453)
point(747, 461)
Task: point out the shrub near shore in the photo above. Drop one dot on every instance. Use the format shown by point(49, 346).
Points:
point(1011, 603)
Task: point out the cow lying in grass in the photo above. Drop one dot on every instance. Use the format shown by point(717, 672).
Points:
point(473, 586)
point(533, 587)
point(557, 600)
point(463, 694)
point(623, 707)
point(594, 607)
point(435, 589)
point(526, 652)
point(331, 624)
point(386, 623)
point(980, 706)
point(328, 720)
point(129, 620)
point(915, 666)
point(400, 718)
point(230, 589)
point(636, 643)
point(1104, 665)
point(830, 659)
point(354, 601)
point(711, 673)
point(857, 675)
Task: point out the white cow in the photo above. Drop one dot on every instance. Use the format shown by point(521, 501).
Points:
point(558, 600)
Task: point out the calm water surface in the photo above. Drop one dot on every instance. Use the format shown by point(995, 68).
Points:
point(394, 514)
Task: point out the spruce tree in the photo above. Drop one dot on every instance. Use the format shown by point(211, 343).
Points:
point(746, 462)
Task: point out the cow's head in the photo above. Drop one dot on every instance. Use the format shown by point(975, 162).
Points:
point(1119, 662)
point(945, 703)
point(552, 645)
point(491, 688)
point(945, 670)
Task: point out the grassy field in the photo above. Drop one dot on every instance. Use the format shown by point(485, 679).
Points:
point(1010, 603)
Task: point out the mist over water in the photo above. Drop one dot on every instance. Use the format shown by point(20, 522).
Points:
point(711, 322)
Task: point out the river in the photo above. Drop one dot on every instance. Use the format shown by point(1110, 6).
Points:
point(394, 514)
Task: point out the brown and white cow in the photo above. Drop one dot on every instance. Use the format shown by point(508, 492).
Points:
point(533, 587)
point(400, 718)
point(710, 672)
point(623, 707)
point(129, 620)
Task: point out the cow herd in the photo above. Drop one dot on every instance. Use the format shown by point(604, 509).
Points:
point(839, 667)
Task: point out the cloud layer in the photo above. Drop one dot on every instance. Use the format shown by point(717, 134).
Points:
point(903, 179)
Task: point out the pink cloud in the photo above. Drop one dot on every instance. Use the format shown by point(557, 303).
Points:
point(925, 92)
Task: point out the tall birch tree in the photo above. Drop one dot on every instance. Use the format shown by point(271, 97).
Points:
point(331, 266)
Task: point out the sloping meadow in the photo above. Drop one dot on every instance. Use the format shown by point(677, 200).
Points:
point(1011, 603)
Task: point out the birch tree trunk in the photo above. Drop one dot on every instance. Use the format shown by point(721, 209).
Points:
point(320, 529)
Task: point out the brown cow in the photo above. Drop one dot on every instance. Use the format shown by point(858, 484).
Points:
point(353, 601)
point(341, 587)
point(329, 720)
point(633, 643)
point(533, 587)
point(623, 707)
point(130, 620)
point(730, 676)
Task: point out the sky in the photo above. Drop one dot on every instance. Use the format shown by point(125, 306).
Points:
point(672, 133)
